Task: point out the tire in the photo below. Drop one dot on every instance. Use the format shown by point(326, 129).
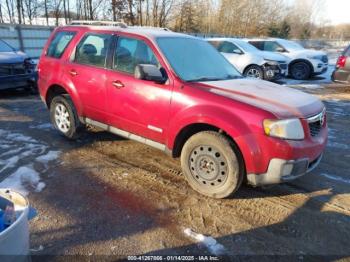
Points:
point(64, 116)
point(300, 71)
point(254, 71)
point(212, 164)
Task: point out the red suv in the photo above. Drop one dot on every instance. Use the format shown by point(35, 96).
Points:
point(179, 94)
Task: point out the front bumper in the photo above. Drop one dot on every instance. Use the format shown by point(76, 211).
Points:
point(319, 67)
point(273, 72)
point(17, 81)
point(281, 170)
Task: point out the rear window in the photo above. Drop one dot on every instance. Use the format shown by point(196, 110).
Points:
point(59, 43)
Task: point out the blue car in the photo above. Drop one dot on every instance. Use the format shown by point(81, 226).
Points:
point(17, 70)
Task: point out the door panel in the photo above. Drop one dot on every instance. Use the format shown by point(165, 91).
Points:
point(88, 74)
point(137, 106)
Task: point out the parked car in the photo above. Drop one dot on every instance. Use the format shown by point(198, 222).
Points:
point(342, 68)
point(16, 69)
point(177, 93)
point(249, 60)
point(304, 63)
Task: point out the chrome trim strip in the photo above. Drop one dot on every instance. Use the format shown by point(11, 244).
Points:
point(125, 134)
point(154, 128)
point(317, 117)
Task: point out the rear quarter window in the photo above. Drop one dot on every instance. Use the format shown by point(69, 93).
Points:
point(59, 44)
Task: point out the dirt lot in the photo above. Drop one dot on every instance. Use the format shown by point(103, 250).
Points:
point(103, 195)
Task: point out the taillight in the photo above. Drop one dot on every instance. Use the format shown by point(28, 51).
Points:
point(341, 61)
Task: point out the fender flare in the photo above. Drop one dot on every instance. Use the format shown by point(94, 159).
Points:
point(70, 91)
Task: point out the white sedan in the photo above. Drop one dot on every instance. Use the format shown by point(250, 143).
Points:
point(250, 61)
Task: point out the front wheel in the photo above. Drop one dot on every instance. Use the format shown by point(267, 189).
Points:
point(254, 71)
point(64, 116)
point(300, 71)
point(211, 164)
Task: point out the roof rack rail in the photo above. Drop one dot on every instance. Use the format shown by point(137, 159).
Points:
point(152, 27)
point(99, 23)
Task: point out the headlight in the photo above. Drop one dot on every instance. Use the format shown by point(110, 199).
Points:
point(271, 62)
point(287, 129)
point(316, 57)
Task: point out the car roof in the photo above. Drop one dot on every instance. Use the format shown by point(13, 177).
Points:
point(264, 39)
point(149, 32)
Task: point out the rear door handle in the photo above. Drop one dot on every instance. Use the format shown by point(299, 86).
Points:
point(118, 84)
point(73, 72)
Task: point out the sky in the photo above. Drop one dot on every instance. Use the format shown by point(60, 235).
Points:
point(337, 11)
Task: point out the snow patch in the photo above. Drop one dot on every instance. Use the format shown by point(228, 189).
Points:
point(50, 156)
point(311, 86)
point(44, 126)
point(209, 242)
point(20, 180)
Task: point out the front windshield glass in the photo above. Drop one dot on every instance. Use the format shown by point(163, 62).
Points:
point(5, 47)
point(246, 46)
point(290, 45)
point(195, 60)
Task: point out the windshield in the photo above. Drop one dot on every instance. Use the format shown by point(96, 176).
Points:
point(246, 46)
point(5, 47)
point(196, 60)
point(290, 45)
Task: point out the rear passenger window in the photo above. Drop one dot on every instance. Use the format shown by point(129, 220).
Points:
point(131, 52)
point(59, 43)
point(92, 50)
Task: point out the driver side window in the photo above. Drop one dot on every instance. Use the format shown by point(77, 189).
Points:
point(271, 46)
point(228, 47)
point(131, 52)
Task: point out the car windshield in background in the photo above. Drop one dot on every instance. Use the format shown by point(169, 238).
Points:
point(5, 47)
point(195, 60)
point(290, 45)
point(246, 46)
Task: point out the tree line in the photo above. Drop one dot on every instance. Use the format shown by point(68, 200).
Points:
point(278, 18)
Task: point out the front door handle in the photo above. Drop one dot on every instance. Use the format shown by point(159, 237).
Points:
point(73, 72)
point(118, 84)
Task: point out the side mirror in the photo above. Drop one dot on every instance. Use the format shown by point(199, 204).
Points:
point(280, 50)
point(238, 52)
point(149, 72)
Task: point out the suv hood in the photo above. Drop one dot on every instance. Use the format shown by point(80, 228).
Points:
point(307, 52)
point(282, 101)
point(12, 57)
point(273, 56)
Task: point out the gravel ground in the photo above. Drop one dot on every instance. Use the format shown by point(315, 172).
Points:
point(106, 197)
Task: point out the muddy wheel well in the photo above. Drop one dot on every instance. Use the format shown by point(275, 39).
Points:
point(187, 132)
point(53, 91)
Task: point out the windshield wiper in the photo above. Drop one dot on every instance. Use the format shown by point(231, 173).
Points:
point(204, 79)
point(207, 79)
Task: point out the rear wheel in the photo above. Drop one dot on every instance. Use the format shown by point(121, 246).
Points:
point(64, 116)
point(211, 164)
point(300, 71)
point(254, 71)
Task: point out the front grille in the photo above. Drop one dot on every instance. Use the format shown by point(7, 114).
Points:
point(12, 69)
point(316, 123)
point(325, 59)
